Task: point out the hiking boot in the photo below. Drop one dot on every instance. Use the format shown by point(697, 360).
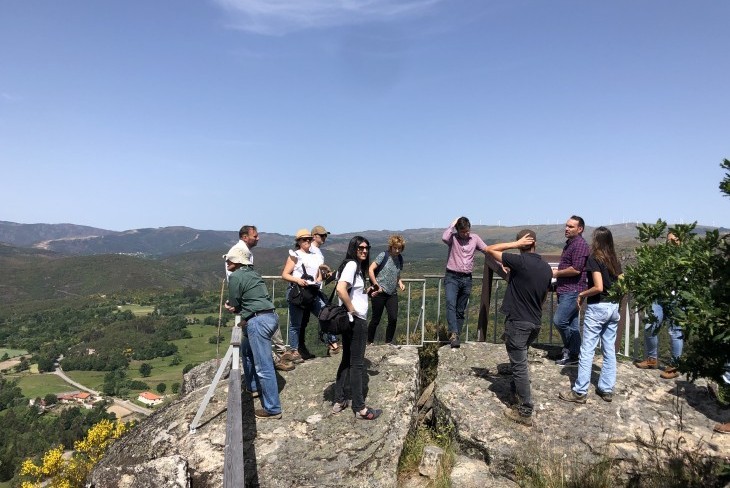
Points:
point(571, 396)
point(286, 356)
point(722, 428)
point(305, 354)
point(282, 365)
point(606, 396)
point(567, 360)
point(669, 373)
point(296, 358)
point(454, 340)
point(260, 413)
point(648, 363)
point(514, 414)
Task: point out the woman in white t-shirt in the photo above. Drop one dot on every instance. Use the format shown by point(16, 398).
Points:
point(302, 269)
point(354, 296)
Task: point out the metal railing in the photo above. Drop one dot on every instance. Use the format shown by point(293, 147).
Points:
point(417, 301)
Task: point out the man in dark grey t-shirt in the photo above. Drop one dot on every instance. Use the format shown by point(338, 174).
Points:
point(529, 278)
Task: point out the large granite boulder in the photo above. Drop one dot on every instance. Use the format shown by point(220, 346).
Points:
point(648, 415)
point(308, 446)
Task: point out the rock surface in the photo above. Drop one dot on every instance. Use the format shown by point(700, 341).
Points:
point(472, 390)
point(308, 446)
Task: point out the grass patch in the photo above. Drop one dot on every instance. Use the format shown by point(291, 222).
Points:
point(90, 379)
point(12, 353)
point(137, 310)
point(39, 385)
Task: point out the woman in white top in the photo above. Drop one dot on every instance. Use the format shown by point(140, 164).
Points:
point(302, 269)
point(354, 296)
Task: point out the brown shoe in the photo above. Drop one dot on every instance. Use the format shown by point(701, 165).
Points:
point(296, 358)
point(286, 356)
point(282, 365)
point(722, 428)
point(260, 413)
point(648, 363)
point(513, 414)
point(669, 373)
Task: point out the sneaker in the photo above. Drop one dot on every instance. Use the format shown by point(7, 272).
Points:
point(454, 340)
point(370, 414)
point(282, 365)
point(722, 428)
point(571, 396)
point(648, 363)
point(260, 413)
point(606, 396)
point(296, 358)
point(513, 414)
point(337, 407)
point(669, 373)
point(567, 360)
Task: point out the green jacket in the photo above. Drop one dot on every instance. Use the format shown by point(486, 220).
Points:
point(247, 292)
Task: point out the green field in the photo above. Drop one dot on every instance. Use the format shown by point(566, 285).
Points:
point(90, 379)
point(12, 352)
point(39, 385)
point(138, 310)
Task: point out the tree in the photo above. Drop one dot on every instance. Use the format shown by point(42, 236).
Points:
point(50, 399)
point(175, 388)
point(145, 369)
point(161, 387)
point(694, 279)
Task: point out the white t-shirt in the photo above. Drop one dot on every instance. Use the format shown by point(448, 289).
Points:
point(309, 260)
point(357, 293)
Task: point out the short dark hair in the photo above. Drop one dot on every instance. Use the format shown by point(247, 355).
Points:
point(245, 230)
point(581, 222)
point(462, 223)
point(526, 232)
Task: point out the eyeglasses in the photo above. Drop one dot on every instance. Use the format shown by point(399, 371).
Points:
point(363, 248)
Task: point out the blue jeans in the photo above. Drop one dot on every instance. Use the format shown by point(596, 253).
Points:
point(651, 341)
point(351, 371)
point(258, 365)
point(298, 319)
point(458, 289)
point(600, 321)
point(567, 321)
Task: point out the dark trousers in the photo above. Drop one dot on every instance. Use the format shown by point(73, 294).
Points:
point(352, 366)
point(517, 337)
point(390, 303)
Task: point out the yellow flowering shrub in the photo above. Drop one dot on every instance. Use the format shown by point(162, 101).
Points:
point(72, 472)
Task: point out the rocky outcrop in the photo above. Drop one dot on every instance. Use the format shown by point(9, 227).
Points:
point(308, 446)
point(648, 415)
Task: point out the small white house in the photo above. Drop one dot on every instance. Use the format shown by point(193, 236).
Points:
point(149, 398)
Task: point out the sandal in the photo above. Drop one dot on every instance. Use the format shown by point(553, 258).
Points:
point(333, 349)
point(337, 407)
point(370, 414)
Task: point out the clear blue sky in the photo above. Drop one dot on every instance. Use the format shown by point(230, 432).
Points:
point(362, 114)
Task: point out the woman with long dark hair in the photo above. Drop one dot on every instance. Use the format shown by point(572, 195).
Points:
point(353, 295)
point(600, 320)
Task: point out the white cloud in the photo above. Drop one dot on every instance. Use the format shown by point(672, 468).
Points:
point(276, 17)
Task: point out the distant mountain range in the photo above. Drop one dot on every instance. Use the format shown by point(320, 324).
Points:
point(55, 261)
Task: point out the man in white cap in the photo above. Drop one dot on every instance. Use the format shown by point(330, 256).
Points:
point(248, 297)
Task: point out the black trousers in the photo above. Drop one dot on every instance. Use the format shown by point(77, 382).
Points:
point(390, 303)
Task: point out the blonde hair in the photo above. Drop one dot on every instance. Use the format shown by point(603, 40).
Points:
point(397, 241)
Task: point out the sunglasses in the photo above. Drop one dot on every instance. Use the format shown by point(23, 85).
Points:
point(307, 239)
point(363, 248)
